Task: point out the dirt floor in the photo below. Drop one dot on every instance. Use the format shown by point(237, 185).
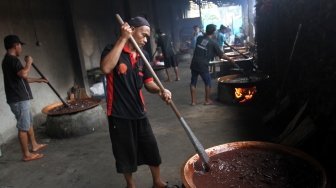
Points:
point(87, 161)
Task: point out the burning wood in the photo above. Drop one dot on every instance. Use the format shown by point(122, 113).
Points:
point(245, 94)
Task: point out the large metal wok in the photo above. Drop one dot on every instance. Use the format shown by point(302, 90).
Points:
point(244, 79)
point(254, 164)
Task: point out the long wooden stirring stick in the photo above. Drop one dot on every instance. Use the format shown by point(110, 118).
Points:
point(58, 95)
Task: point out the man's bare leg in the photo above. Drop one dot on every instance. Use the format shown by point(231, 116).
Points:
point(26, 154)
point(193, 94)
point(168, 77)
point(176, 74)
point(157, 182)
point(35, 145)
point(23, 138)
point(207, 95)
point(129, 180)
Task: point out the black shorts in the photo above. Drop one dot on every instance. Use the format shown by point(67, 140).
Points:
point(170, 61)
point(133, 144)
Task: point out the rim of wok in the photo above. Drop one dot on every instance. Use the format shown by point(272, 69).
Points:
point(49, 109)
point(248, 79)
point(187, 168)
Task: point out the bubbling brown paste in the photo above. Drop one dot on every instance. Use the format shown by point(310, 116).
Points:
point(255, 167)
point(74, 106)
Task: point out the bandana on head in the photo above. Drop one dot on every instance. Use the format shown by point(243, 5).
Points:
point(138, 22)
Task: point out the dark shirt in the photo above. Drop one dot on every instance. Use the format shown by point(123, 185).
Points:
point(124, 83)
point(206, 49)
point(164, 42)
point(16, 88)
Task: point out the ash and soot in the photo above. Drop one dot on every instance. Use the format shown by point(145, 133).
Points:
point(74, 106)
point(255, 167)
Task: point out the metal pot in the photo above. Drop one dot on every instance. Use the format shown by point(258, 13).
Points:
point(278, 154)
point(243, 79)
point(74, 106)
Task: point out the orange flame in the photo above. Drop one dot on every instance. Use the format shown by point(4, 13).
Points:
point(245, 94)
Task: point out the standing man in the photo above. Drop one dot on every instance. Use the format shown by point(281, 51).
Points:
point(18, 95)
point(240, 38)
point(206, 49)
point(221, 37)
point(195, 34)
point(166, 45)
point(133, 141)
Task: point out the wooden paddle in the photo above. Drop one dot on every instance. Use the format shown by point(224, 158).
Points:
point(52, 88)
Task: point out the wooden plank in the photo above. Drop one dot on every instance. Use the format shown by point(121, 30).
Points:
point(292, 125)
point(301, 133)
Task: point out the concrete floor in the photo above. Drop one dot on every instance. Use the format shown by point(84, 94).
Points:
point(87, 161)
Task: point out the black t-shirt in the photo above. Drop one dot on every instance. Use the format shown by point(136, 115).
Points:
point(164, 42)
point(16, 88)
point(124, 84)
point(206, 49)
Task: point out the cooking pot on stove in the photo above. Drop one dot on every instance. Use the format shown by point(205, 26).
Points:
point(243, 79)
point(254, 164)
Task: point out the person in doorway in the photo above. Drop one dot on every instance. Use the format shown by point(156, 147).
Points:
point(195, 34)
point(133, 141)
point(221, 37)
point(206, 49)
point(164, 42)
point(18, 95)
point(240, 38)
point(229, 37)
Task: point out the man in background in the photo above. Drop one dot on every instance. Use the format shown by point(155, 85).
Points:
point(196, 33)
point(18, 95)
point(206, 49)
point(167, 49)
point(221, 37)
